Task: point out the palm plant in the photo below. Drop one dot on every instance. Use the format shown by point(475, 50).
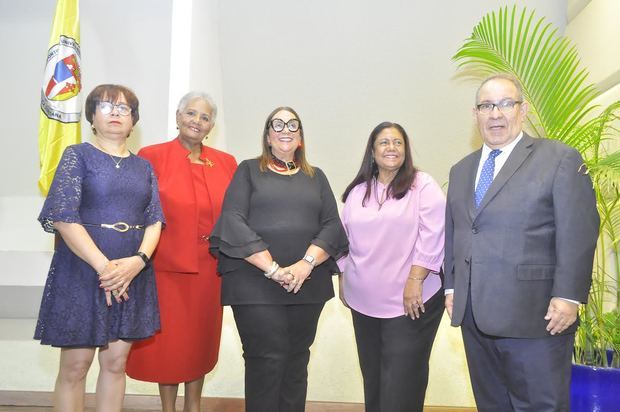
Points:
point(562, 107)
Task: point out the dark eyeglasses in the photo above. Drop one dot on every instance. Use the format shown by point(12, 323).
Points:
point(278, 125)
point(107, 107)
point(505, 106)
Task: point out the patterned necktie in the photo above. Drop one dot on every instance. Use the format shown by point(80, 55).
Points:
point(486, 177)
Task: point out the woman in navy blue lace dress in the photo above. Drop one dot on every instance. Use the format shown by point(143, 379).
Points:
point(100, 291)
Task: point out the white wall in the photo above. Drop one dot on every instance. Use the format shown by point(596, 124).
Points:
point(121, 42)
point(595, 31)
point(345, 65)
point(195, 60)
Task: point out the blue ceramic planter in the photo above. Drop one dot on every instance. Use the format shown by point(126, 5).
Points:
point(595, 389)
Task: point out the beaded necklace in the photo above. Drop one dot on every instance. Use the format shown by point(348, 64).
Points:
point(282, 166)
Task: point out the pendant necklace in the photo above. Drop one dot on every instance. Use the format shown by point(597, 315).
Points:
point(380, 201)
point(116, 164)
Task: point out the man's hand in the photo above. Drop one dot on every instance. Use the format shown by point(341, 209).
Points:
point(449, 303)
point(560, 314)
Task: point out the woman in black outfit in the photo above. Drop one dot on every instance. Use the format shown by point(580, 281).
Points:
point(276, 239)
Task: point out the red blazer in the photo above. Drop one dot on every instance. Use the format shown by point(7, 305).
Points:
point(177, 250)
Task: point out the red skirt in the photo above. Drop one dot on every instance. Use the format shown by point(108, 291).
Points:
point(187, 346)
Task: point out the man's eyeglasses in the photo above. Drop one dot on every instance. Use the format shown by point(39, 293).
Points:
point(505, 106)
point(278, 125)
point(107, 107)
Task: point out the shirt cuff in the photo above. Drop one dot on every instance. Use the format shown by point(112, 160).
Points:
point(448, 292)
point(569, 300)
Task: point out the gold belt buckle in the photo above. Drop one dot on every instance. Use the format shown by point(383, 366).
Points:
point(118, 226)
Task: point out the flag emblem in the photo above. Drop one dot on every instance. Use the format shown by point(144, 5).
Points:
point(61, 106)
point(62, 84)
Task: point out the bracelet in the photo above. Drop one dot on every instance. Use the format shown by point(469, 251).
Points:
point(143, 256)
point(414, 278)
point(272, 269)
point(103, 270)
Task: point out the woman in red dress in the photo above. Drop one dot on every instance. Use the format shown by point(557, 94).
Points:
point(192, 181)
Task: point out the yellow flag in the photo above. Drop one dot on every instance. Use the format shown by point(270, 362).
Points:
point(61, 105)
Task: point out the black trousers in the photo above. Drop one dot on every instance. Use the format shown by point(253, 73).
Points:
point(511, 374)
point(394, 355)
point(276, 347)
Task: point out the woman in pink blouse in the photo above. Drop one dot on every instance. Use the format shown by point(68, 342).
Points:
point(394, 218)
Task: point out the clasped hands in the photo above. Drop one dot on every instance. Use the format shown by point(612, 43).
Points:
point(116, 277)
point(292, 277)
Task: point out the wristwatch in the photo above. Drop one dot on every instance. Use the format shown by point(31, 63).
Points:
point(143, 256)
point(310, 259)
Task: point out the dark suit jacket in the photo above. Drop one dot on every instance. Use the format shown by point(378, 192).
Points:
point(532, 238)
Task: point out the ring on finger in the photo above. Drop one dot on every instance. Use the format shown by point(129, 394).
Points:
point(115, 293)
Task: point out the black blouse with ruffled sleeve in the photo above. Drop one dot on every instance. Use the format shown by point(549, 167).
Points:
point(284, 214)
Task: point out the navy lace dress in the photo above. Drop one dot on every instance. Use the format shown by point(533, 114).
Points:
point(88, 188)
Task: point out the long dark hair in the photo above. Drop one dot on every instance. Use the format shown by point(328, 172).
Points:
point(300, 154)
point(404, 178)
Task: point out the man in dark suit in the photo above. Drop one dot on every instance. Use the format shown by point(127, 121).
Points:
point(521, 229)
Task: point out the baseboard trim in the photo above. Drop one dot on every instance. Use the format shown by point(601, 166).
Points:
point(151, 402)
point(46, 399)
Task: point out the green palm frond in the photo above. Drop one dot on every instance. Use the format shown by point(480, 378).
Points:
point(606, 173)
point(613, 228)
point(546, 65)
point(561, 107)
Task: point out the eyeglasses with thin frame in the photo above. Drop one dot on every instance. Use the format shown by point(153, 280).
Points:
point(505, 106)
point(107, 107)
point(278, 125)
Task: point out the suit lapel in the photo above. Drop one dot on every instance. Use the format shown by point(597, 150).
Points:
point(470, 184)
point(521, 152)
